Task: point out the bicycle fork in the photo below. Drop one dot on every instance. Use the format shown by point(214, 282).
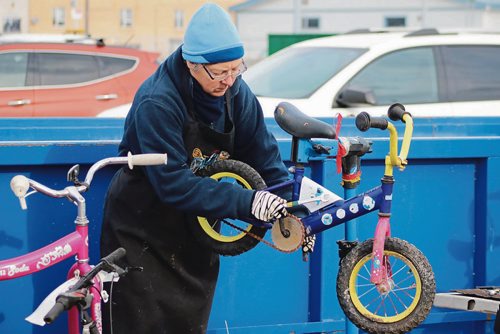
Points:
point(381, 272)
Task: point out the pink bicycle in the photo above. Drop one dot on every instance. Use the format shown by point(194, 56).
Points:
point(83, 290)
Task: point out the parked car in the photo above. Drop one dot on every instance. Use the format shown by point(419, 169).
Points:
point(69, 79)
point(433, 74)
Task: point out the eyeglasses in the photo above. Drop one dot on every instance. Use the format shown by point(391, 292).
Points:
point(226, 74)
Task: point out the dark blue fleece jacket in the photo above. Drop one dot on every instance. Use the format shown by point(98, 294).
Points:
point(155, 125)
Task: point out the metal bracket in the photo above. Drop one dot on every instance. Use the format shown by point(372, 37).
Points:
point(468, 303)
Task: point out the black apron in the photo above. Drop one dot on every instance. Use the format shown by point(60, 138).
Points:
point(174, 293)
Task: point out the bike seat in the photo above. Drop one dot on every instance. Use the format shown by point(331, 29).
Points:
point(299, 125)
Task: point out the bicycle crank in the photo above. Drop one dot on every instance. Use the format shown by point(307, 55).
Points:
point(288, 244)
point(293, 239)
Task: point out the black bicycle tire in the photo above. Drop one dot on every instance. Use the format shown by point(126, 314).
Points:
point(423, 268)
point(246, 242)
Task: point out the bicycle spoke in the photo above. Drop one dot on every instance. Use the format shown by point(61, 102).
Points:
point(411, 287)
point(398, 271)
point(393, 305)
point(378, 296)
point(368, 291)
point(214, 224)
point(367, 277)
point(399, 299)
point(382, 303)
point(402, 282)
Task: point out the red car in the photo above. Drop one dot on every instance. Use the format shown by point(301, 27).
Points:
point(69, 79)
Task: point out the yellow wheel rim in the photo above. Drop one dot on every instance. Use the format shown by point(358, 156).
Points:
point(360, 271)
point(205, 224)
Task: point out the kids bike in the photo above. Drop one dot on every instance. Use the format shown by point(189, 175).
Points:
point(385, 285)
point(82, 292)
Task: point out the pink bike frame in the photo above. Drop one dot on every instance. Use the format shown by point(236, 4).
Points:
point(75, 243)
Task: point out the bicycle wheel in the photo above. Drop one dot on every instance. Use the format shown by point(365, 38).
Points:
point(218, 234)
point(411, 288)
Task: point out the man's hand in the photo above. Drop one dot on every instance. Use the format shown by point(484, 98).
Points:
point(266, 206)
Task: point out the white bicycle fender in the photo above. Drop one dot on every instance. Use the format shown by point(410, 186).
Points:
point(36, 318)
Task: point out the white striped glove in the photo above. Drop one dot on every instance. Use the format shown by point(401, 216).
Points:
point(308, 244)
point(266, 206)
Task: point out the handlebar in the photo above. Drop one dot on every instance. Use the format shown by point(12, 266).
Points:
point(395, 112)
point(78, 293)
point(20, 184)
point(364, 122)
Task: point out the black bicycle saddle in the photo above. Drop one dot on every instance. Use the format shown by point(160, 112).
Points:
point(299, 125)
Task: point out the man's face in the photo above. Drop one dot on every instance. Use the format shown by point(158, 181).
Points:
point(216, 79)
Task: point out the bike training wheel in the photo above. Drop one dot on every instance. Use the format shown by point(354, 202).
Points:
point(399, 310)
point(217, 234)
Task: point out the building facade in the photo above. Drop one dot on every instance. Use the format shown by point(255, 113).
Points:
point(153, 25)
point(257, 19)
point(14, 16)
point(159, 25)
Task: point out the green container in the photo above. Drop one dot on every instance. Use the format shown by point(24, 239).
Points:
point(277, 42)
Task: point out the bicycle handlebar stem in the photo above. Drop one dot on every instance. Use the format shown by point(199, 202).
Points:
point(393, 159)
point(405, 146)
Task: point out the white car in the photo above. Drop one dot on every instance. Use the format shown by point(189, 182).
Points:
point(433, 74)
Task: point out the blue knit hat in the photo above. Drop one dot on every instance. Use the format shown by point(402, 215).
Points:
point(211, 37)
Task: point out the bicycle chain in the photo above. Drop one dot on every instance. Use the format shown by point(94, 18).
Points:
point(270, 244)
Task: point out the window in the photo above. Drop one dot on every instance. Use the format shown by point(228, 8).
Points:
point(63, 69)
point(473, 72)
point(78, 68)
point(179, 19)
point(395, 21)
point(125, 17)
point(58, 17)
point(111, 65)
point(298, 72)
point(13, 68)
point(310, 23)
point(12, 24)
point(408, 75)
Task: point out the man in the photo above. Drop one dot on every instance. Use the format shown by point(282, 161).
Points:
point(195, 100)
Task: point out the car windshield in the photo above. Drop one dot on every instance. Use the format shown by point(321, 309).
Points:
point(296, 73)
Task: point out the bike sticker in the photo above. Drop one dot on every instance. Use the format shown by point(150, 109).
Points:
point(376, 259)
point(340, 213)
point(354, 208)
point(388, 197)
point(13, 270)
point(327, 219)
point(58, 252)
point(368, 203)
point(310, 190)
